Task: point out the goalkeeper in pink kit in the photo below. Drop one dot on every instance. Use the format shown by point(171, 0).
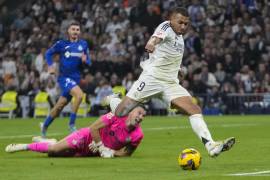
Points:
point(109, 136)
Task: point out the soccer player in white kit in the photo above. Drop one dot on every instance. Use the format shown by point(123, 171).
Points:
point(160, 77)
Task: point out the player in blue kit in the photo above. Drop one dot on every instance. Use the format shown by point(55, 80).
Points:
point(74, 53)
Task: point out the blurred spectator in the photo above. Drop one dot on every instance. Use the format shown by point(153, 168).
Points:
point(102, 90)
point(197, 86)
point(1, 69)
point(246, 79)
point(220, 73)
point(52, 90)
point(231, 37)
point(9, 66)
point(88, 85)
point(193, 42)
point(128, 81)
point(208, 78)
point(197, 14)
point(39, 60)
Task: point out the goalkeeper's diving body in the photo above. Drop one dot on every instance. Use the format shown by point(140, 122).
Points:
point(107, 137)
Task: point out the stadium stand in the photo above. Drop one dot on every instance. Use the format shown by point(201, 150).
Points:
point(42, 105)
point(8, 104)
point(226, 58)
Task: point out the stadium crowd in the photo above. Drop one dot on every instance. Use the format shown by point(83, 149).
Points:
point(227, 49)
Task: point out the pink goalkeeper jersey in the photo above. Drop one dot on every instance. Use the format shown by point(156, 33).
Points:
point(116, 135)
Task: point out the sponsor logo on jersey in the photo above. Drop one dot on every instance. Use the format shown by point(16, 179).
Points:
point(67, 54)
point(80, 48)
point(72, 54)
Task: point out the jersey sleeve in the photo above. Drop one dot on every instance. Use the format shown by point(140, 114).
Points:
point(136, 137)
point(108, 118)
point(56, 47)
point(162, 30)
point(86, 51)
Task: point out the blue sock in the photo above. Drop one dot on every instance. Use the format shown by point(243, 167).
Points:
point(72, 119)
point(48, 121)
point(46, 124)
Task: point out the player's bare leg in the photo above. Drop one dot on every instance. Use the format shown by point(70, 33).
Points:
point(61, 103)
point(200, 128)
point(77, 94)
point(126, 105)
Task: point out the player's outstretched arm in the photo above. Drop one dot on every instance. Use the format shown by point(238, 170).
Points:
point(86, 55)
point(125, 151)
point(95, 127)
point(56, 48)
point(84, 58)
point(152, 42)
point(97, 145)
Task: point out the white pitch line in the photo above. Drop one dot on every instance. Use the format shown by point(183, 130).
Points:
point(250, 173)
point(146, 129)
point(186, 127)
point(27, 135)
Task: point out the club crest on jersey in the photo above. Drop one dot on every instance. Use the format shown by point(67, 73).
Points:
point(80, 48)
point(74, 142)
point(67, 54)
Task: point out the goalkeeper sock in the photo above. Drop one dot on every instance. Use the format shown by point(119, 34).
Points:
point(200, 128)
point(114, 102)
point(39, 147)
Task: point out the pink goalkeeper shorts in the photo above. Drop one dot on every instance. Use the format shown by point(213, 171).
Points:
point(79, 141)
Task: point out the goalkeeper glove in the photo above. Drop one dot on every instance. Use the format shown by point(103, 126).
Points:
point(105, 152)
point(93, 146)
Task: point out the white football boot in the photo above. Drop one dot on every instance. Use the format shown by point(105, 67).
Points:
point(215, 148)
point(16, 147)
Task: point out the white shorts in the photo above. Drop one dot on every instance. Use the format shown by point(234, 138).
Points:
point(148, 86)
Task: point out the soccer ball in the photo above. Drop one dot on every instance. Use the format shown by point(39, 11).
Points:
point(189, 159)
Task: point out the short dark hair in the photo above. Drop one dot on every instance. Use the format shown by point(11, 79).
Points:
point(180, 10)
point(74, 23)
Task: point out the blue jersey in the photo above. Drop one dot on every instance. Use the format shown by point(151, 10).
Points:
point(70, 58)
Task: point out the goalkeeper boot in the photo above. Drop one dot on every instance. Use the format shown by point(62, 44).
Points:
point(16, 147)
point(215, 148)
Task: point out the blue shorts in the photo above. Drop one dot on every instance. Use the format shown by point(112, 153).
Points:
point(66, 84)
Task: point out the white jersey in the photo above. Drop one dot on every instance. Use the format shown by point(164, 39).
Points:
point(164, 63)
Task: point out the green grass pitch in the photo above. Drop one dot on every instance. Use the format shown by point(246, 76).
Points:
point(156, 157)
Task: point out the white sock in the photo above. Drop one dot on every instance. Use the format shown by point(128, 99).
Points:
point(114, 102)
point(200, 128)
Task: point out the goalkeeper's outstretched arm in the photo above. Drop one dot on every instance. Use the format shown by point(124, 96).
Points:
point(125, 151)
point(94, 129)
